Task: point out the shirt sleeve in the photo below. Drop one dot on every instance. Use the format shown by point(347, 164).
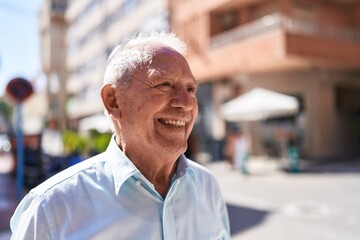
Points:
point(222, 212)
point(225, 217)
point(30, 221)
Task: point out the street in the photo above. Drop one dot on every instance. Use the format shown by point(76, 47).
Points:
point(321, 203)
point(8, 203)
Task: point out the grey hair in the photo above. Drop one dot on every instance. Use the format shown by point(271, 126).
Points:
point(134, 52)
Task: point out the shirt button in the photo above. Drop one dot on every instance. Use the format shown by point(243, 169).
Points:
point(138, 183)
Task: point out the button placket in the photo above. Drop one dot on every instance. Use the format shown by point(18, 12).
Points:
point(169, 229)
point(168, 214)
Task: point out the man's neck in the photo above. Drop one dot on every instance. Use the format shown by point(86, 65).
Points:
point(160, 177)
point(158, 168)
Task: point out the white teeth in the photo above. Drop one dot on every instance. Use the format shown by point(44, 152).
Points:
point(176, 123)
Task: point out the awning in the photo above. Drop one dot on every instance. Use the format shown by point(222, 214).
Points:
point(259, 104)
point(78, 108)
point(98, 122)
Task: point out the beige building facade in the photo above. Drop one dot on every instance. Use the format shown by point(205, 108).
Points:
point(95, 28)
point(53, 29)
point(307, 49)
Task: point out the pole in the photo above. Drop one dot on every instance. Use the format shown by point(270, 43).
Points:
point(20, 153)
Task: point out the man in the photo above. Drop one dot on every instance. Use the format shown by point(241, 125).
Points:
point(142, 186)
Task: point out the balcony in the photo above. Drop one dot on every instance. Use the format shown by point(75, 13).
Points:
point(277, 43)
point(265, 24)
point(288, 25)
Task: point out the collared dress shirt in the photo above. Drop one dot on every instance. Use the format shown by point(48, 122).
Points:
point(106, 197)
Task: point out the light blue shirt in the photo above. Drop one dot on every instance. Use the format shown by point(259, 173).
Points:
point(106, 197)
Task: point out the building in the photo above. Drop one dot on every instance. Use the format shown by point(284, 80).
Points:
point(95, 27)
point(53, 29)
point(308, 49)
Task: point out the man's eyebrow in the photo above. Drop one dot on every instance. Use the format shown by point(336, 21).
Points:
point(155, 73)
point(194, 80)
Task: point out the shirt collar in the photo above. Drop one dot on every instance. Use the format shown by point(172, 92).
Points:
point(122, 168)
point(120, 165)
point(183, 167)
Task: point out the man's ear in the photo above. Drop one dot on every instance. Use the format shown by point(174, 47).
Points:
point(108, 95)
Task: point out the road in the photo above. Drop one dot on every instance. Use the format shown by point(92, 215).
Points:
point(321, 203)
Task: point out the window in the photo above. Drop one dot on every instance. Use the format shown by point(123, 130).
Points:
point(304, 10)
point(223, 21)
point(228, 20)
point(59, 6)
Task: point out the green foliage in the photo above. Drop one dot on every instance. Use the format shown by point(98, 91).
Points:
point(94, 142)
point(74, 142)
point(98, 142)
point(5, 110)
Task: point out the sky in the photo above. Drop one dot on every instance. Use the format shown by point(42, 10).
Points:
point(19, 40)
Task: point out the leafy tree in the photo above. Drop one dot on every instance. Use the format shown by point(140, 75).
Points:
point(5, 110)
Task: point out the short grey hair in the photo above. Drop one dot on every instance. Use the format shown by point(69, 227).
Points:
point(134, 52)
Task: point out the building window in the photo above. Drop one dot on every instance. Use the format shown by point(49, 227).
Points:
point(58, 6)
point(228, 20)
point(129, 5)
point(304, 10)
point(223, 21)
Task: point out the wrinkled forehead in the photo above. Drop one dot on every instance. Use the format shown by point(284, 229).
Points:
point(166, 59)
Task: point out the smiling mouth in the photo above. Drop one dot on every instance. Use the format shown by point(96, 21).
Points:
point(175, 123)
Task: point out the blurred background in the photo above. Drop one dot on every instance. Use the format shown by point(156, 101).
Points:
point(279, 101)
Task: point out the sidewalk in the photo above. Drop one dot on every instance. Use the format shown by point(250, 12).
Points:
point(320, 201)
point(255, 166)
point(263, 166)
point(8, 203)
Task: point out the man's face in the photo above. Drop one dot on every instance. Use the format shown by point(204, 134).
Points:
point(159, 108)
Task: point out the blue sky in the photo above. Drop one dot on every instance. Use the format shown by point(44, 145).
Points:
point(19, 40)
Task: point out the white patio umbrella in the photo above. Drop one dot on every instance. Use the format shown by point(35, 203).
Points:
point(98, 122)
point(259, 104)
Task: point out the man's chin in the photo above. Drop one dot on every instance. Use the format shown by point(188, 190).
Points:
point(176, 147)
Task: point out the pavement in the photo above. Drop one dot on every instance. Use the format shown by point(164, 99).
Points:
point(320, 201)
point(8, 198)
point(8, 203)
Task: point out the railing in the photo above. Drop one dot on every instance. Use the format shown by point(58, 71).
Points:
point(287, 24)
point(314, 29)
point(253, 28)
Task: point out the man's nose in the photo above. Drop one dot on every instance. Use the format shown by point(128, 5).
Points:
point(182, 99)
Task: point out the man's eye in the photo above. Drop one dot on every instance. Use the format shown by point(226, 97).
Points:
point(191, 89)
point(165, 85)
